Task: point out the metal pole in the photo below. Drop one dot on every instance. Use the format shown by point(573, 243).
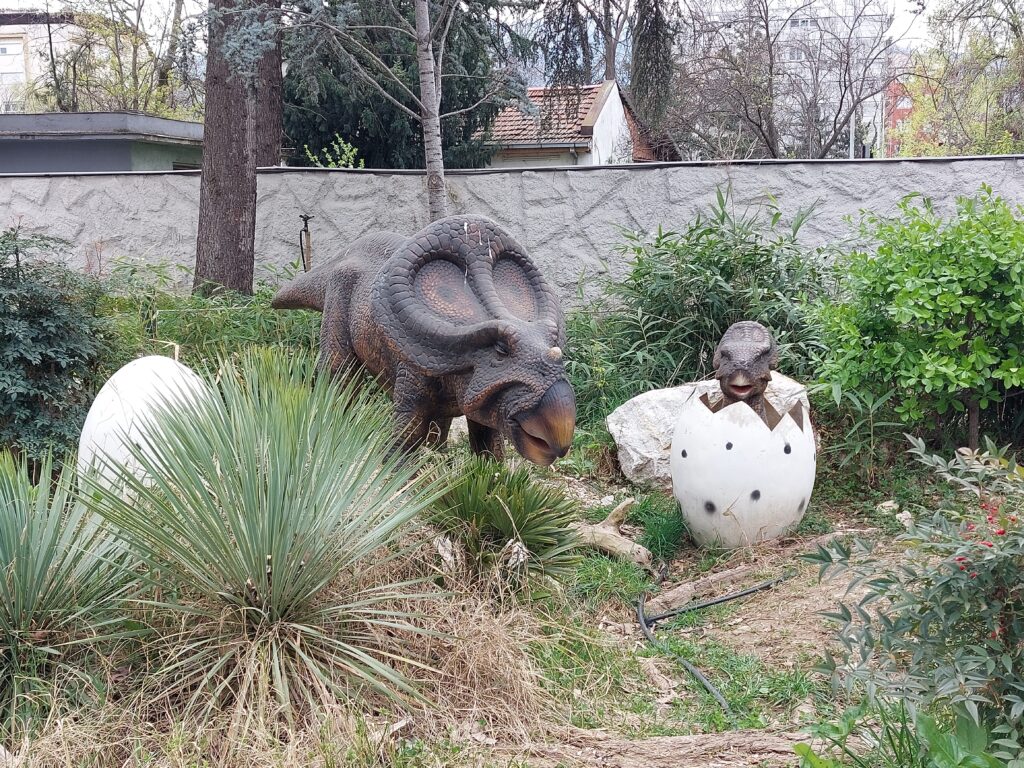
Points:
point(853, 132)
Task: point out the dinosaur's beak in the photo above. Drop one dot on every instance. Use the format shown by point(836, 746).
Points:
point(544, 433)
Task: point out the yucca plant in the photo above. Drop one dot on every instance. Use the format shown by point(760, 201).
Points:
point(60, 590)
point(263, 509)
point(510, 528)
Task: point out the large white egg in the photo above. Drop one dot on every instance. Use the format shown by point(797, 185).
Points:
point(122, 411)
point(738, 481)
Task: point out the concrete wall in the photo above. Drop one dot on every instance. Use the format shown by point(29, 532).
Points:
point(569, 219)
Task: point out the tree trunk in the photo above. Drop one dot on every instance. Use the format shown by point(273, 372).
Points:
point(270, 117)
point(430, 98)
point(166, 63)
point(973, 422)
point(227, 196)
point(610, 43)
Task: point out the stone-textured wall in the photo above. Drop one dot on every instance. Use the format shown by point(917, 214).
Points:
point(569, 219)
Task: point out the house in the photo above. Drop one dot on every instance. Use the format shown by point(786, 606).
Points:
point(590, 125)
point(27, 39)
point(74, 142)
point(899, 107)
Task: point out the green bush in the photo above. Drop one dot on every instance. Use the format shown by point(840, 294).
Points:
point(338, 154)
point(52, 346)
point(889, 737)
point(942, 626)
point(273, 500)
point(151, 317)
point(935, 311)
point(60, 592)
point(513, 531)
point(659, 326)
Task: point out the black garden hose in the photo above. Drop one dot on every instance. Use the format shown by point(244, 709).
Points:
point(647, 627)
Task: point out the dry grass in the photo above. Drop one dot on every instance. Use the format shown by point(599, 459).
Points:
point(470, 661)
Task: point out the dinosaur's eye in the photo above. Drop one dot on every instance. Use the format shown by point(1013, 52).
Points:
point(501, 349)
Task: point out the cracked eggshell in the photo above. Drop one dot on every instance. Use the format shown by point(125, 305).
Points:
point(738, 481)
point(121, 413)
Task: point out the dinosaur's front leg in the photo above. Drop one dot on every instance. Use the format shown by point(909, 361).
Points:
point(486, 441)
point(413, 398)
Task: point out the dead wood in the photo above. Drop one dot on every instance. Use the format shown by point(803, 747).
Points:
point(706, 586)
point(733, 749)
point(607, 536)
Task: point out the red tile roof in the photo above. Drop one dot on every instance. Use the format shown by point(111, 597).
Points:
point(559, 117)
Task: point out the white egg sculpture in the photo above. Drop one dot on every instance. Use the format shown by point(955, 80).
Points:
point(738, 480)
point(122, 412)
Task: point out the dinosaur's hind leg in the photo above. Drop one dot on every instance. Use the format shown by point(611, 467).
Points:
point(335, 339)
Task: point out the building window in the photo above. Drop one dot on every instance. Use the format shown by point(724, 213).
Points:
point(803, 23)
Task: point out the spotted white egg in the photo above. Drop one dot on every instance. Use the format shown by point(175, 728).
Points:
point(738, 481)
point(122, 412)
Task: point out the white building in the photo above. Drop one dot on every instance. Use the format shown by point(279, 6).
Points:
point(825, 54)
point(590, 125)
point(25, 41)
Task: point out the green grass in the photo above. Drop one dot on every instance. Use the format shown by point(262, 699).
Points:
point(599, 580)
point(603, 684)
point(815, 522)
point(592, 453)
point(598, 681)
point(664, 530)
point(758, 694)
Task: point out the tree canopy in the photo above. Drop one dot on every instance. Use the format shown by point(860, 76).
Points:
point(325, 95)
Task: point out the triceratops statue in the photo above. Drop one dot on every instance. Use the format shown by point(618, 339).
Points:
point(453, 320)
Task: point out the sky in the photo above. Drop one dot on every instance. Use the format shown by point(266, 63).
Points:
point(911, 27)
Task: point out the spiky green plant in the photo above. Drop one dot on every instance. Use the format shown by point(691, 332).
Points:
point(60, 587)
point(509, 526)
point(265, 507)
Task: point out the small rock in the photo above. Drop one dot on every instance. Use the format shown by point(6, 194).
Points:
point(459, 432)
point(888, 506)
point(607, 501)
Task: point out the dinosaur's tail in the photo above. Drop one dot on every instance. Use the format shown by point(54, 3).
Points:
point(306, 291)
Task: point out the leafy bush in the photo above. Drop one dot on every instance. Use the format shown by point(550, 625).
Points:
point(943, 625)
point(890, 738)
point(338, 154)
point(934, 310)
point(152, 317)
point(659, 326)
point(60, 587)
point(511, 528)
point(272, 501)
point(51, 345)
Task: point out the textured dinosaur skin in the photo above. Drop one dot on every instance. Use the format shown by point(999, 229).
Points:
point(453, 320)
point(744, 360)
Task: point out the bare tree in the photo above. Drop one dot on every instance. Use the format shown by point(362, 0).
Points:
point(569, 26)
point(115, 55)
point(968, 90)
point(373, 45)
point(778, 79)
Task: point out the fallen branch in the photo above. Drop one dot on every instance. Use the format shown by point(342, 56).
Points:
point(733, 748)
point(706, 586)
point(607, 537)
